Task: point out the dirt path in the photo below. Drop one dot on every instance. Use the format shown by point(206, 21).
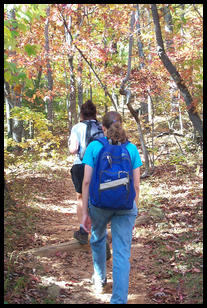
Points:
point(64, 274)
point(46, 197)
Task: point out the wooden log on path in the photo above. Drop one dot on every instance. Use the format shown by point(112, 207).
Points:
point(52, 250)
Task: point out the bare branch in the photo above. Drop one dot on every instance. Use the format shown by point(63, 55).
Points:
point(86, 60)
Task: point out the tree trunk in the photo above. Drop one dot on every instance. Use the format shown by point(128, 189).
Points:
point(148, 112)
point(104, 87)
point(67, 94)
point(140, 45)
point(193, 115)
point(80, 82)
point(72, 112)
point(49, 70)
point(168, 28)
point(175, 98)
point(13, 97)
point(9, 106)
point(141, 136)
point(127, 93)
point(72, 95)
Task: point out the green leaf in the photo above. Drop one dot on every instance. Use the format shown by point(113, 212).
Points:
point(7, 76)
point(14, 34)
point(22, 75)
point(30, 49)
point(11, 66)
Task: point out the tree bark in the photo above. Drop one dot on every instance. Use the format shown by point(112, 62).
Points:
point(13, 98)
point(140, 45)
point(49, 70)
point(193, 115)
point(72, 95)
point(127, 93)
point(143, 146)
point(9, 106)
point(72, 88)
point(80, 82)
point(148, 112)
point(123, 90)
point(175, 99)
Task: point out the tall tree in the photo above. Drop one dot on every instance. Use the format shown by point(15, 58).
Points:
point(193, 114)
point(49, 98)
point(72, 94)
point(104, 86)
point(124, 91)
point(12, 92)
point(80, 19)
point(146, 108)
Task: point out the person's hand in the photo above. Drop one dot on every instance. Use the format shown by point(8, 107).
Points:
point(86, 222)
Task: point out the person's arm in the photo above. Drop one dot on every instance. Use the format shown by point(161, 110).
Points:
point(136, 177)
point(86, 222)
point(73, 145)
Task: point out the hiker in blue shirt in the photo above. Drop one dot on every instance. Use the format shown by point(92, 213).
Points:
point(95, 219)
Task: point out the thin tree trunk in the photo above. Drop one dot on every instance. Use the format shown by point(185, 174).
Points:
point(80, 83)
point(72, 112)
point(104, 87)
point(142, 64)
point(127, 93)
point(140, 45)
point(175, 103)
point(193, 115)
point(142, 141)
point(123, 90)
point(9, 106)
point(72, 95)
point(80, 20)
point(49, 70)
point(67, 95)
point(90, 89)
point(13, 97)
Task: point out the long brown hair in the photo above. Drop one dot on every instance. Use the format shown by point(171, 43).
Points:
point(113, 122)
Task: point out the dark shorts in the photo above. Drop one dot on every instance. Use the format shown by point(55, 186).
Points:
point(77, 173)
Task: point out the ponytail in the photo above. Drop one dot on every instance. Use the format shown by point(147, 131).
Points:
point(113, 122)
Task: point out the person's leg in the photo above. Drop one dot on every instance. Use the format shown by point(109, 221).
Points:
point(81, 235)
point(77, 173)
point(79, 207)
point(121, 228)
point(99, 220)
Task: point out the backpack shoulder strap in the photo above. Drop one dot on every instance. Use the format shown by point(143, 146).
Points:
point(125, 144)
point(103, 141)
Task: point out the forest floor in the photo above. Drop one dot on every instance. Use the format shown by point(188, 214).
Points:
point(166, 254)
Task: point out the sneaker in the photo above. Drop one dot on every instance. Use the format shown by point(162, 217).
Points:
point(81, 235)
point(98, 285)
point(108, 251)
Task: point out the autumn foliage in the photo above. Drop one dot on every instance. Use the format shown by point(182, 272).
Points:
point(56, 56)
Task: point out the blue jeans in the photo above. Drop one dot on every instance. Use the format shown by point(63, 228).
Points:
point(122, 223)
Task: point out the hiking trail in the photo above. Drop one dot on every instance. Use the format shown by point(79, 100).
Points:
point(59, 268)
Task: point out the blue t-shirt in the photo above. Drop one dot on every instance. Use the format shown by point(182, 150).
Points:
point(93, 149)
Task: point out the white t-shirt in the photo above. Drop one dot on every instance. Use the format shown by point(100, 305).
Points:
point(78, 133)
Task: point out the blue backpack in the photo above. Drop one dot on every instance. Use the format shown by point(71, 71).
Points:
point(112, 185)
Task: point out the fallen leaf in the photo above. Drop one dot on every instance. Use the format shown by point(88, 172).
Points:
point(169, 248)
point(196, 270)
